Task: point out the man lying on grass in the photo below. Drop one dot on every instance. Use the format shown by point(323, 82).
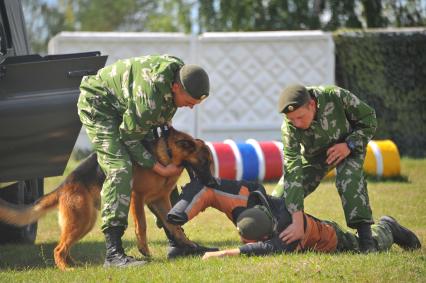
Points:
point(260, 219)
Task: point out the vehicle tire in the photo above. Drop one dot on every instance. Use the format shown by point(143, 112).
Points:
point(22, 192)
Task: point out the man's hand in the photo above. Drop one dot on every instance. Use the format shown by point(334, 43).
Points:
point(230, 252)
point(294, 231)
point(208, 255)
point(167, 171)
point(337, 153)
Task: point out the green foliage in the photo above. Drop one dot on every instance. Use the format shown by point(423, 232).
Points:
point(405, 201)
point(108, 15)
point(43, 21)
point(255, 15)
point(170, 16)
point(132, 15)
point(46, 18)
point(342, 14)
point(408, 13)
point(373, 13)
point(388, 70)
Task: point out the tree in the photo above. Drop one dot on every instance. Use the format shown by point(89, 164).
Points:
point(45, 20)
point(406, 13)
point(251, 15)
point(133, 15)
point(373, 13)
point(246, 15)
point(170, 16)
point(112, 15)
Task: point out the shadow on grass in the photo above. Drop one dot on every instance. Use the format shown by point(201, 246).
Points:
point(369, 178)
point(86, 254)
point(401, 179)
point(21, 257)
point(218, 243)
point(221, 244)
point(377, 179)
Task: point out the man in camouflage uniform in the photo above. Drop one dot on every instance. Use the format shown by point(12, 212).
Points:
point(260, 224)
point(119, 107)
point(260, 218)
point(326, 127)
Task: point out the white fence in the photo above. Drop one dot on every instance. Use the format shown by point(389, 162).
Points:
point(247, 72)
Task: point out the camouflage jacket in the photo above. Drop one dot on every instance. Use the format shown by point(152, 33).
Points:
point(138, 91)
point(340, 117)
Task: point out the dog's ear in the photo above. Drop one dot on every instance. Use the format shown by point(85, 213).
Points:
point(187, 145)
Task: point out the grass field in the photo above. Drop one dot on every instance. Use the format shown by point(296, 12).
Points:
point(406, 201)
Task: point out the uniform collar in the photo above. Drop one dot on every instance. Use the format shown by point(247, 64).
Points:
point(318, 101)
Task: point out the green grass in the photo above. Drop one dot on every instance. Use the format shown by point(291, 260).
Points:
point(404, 200)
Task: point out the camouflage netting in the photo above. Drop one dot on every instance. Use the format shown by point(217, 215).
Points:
point(387, 69)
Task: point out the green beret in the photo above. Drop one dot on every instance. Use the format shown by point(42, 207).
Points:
point(255, 223)
point(195, 81)
point(292, 97)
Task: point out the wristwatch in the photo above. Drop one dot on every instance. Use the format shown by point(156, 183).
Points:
point(351, 145)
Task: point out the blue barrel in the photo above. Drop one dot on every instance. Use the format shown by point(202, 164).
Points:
point(250, 161)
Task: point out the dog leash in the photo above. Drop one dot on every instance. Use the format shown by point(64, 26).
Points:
point(164, 131)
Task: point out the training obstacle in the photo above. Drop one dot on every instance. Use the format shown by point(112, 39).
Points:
point(263, 161)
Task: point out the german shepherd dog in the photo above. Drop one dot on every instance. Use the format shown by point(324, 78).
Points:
point(78, 197)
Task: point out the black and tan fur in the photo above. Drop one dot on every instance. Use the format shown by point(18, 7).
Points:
point(78, 197)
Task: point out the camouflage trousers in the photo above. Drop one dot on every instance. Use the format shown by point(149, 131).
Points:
point(347, 241)
point(350, 183)
point(102, 127)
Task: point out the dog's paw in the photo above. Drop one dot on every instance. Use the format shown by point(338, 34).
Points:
point(145, 251)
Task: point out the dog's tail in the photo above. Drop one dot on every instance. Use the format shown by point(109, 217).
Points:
point(21, 215)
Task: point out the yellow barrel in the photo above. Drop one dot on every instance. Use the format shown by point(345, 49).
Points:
point(382, 159)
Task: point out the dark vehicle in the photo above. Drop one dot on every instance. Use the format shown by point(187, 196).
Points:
point(38, 115)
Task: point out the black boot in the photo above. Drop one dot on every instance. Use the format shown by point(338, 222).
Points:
point(402, 236)
point(115, 256)
point(366, 241)
point(176, 250)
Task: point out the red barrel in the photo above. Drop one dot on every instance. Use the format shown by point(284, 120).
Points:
point(226, 165)
point(272, 152)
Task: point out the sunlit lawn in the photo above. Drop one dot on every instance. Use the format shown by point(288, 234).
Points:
point(405, 201)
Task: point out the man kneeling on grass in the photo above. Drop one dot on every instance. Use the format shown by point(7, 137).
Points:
point(261, 218)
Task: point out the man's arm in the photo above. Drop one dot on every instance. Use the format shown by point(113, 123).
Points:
point(293, 187)
point(229, 252)
point(362, 119)
point(292, 172)
point(132, 133)
point(271, 246)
